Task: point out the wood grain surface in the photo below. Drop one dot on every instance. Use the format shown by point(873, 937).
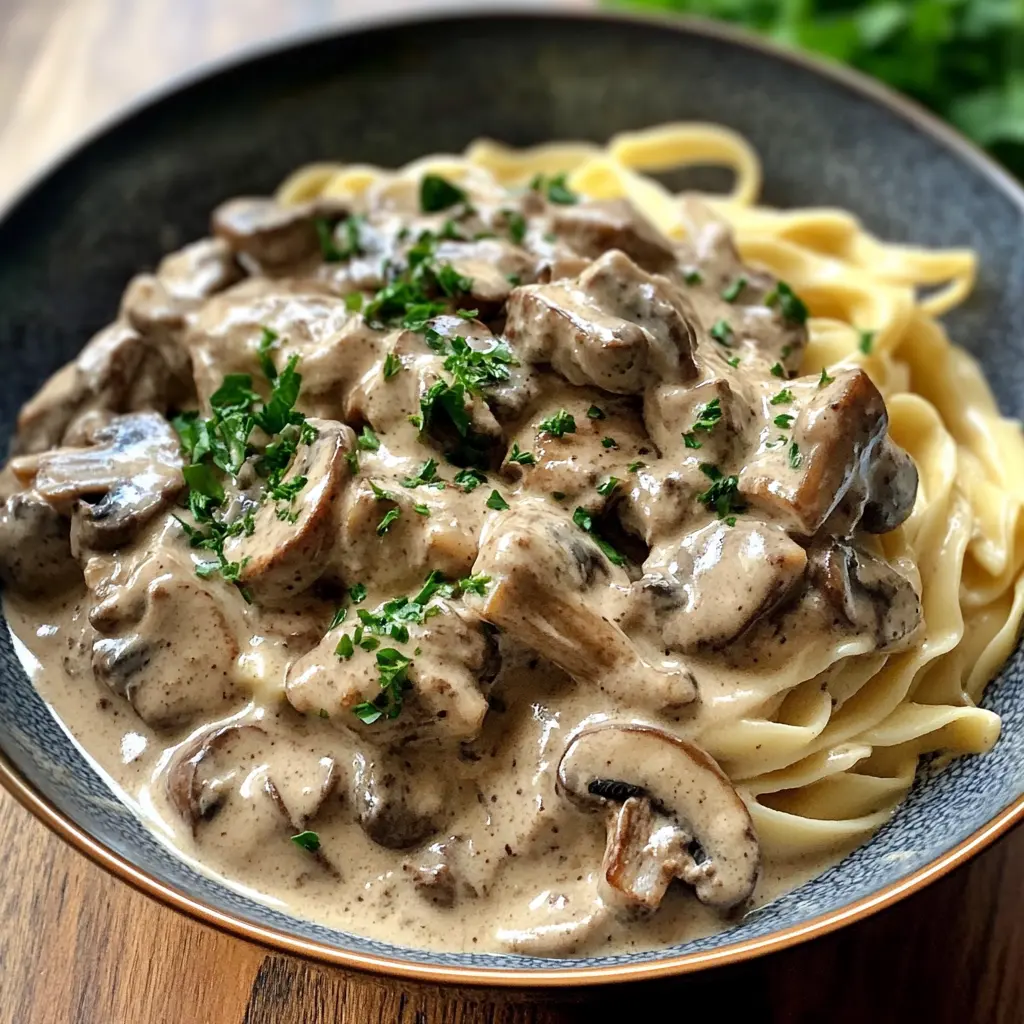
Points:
point(77, 946)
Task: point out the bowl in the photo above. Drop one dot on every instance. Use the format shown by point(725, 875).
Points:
point(145, 184)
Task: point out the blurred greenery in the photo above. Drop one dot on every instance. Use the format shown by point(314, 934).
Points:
point(962, 58)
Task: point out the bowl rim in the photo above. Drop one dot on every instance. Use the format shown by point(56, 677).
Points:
point(274, 938)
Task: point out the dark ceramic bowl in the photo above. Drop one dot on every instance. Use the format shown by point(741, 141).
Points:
point(147, 182)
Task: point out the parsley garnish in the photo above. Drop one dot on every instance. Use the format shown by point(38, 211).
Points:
point(732, 292)
point(795, 458)
point(784, 397)
point(722, 497)
point(516, 226)
point(475, 584)
point(721, 331)
point(791, 306)
point(693, 277)
point(824, 379)
point(357, 592)
point(634, 466)
point(437, 193)
point(865, 341)
point(470, 479)
point(345, 648)
point(555, 189)
point(783, 420)
point(389, 518)
point(690, 441)
point(558, 425)
point(734, 361)
point(327, 235)
point(354, 302)
point(778, 371)
point(368, 440)
point(339, 618)
point(708, 415)
point(609, 442)
point(497, 502)
point(426, 477)
point(393, 671)
point(523, 458)
point(420, 509)
point(392, 364)
point(607, 486)
point(585, 521)
point(594, 413)
point(309, 841)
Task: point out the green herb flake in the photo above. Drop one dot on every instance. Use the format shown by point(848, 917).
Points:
point(866, 341)
point(606, 487)
point(308, 841)
point(585, 521)
point(357, 592)
point(338, 619)
point(824, 380)
point(521, 457)
point(389, 518)
point(783, 420)
point(437, 193)
point(795, 458)
point(734, 361)
point(392, 364)
point(609, 442)
point(784, 397)
point(559, 424)
point(732, 291)
point(497, 502)
point(790, 305)
point(470, 479)
point(425, 477)
point(420, 509)
point(475, 584)
point(693, 276)
point(633, 467)
point(690, 440)
point(722, 497)
point(595, 413)
point(516, 226)
point(368, 440)
point(555, 188)
point(345, 648)
point(778, 370)
point(722, 332)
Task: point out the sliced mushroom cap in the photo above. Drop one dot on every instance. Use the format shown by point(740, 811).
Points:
point(202, 774)
point(129, 473)
point(260, 789)
point(35, 550)
point(395, 807)
point(289, 547)
point(674, 814)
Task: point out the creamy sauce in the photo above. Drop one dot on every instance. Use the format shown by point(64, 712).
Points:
point(695, 537)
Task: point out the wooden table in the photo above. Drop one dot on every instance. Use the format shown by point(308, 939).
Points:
point(79, 947)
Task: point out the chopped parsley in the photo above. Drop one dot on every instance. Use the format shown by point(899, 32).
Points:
point(437, 193)
point(732, 292)
point(595, 413)
point(426, 477)
point(470, 479)
point(865, 341)
point(345, 648)
point(824, 379)
point(795, 458)
point(516, 226)
point(606, 487)
point(475, 584)
point(790, 305)
point(722, 332)
point(523, 458)
point(357, 592)
point(354, 302)
point(368, 440)
point(392, 364)
point(609, 442)
point(219, 446)
point(555, 188)
point(393, 672)
point(778, 370)
point(558, 425)
point(497, 502)
point(467, 314)
point(708, 415)
point(585, 521)
point(784, 397)
point(339, 618)
point(693, 277)
point(734, 361)
point(327, 234)
point(783, 420)
point(691, 441)
point(309, 841)
point(722, 497)
point(386, 523)
point(634, 466)
point(420, 509)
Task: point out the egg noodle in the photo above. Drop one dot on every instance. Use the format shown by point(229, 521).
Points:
point(832, 755)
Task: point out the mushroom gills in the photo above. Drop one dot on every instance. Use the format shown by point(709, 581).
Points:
point(672, 813)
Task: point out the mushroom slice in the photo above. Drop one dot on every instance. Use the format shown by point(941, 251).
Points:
point(673, 813)
point(554, 591)
point(245, 791)
point(396, 807)
point(203, 772)
point(289, 547)
point(35, 553)
point(129, 473)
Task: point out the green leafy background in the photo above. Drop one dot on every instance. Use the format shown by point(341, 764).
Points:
point(964, 59)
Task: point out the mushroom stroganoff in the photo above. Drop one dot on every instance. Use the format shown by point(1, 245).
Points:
point(497, 553)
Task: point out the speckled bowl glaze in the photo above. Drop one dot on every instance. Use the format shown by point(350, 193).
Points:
point(145, 184)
